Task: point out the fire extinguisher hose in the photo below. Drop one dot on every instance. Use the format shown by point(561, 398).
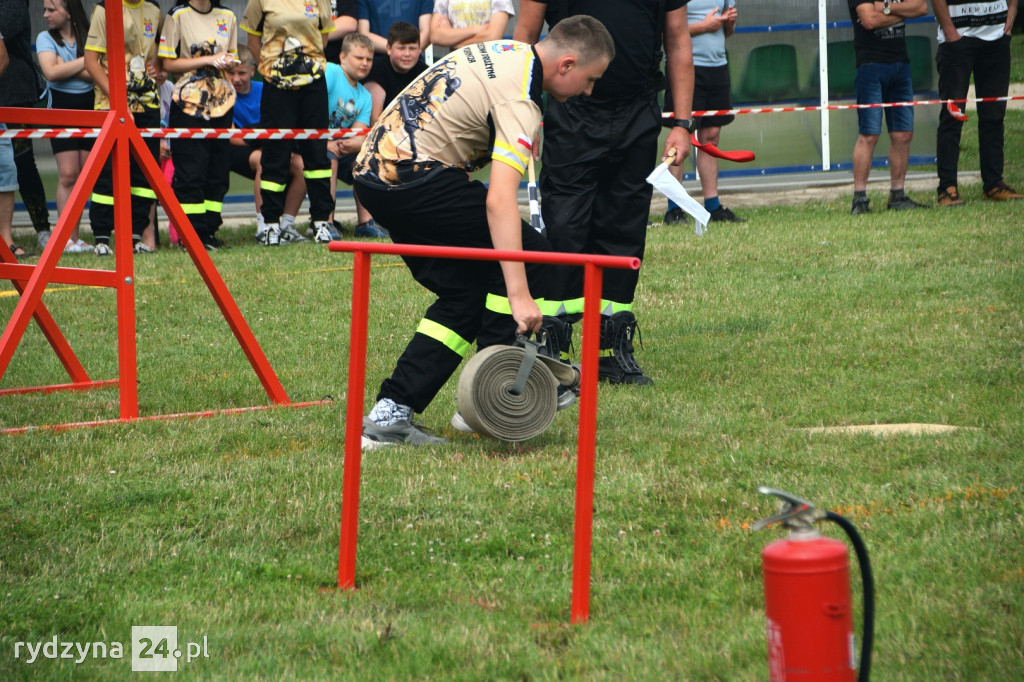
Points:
point(868, 585)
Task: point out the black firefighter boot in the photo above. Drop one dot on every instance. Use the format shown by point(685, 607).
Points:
point(617, 364)
point(557, 343)
point(557, 337)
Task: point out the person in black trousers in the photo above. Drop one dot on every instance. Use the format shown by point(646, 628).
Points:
point(598, 152)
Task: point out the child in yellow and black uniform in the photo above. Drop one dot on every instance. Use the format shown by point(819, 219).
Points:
point(142, 65)
point(199, 41)
point(289, 37)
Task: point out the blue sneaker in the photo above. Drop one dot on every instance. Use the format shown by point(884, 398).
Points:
point(371, 229)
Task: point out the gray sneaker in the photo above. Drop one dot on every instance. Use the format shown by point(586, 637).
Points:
point(290, 236)
point(43, 238)
point(398, 433)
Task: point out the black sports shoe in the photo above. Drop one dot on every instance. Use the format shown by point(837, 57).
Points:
point(675, 217)
point(214, 244)
point(903, 203)
point(724, 215)
point(860, 205)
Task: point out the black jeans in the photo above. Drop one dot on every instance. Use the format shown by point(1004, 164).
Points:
point(448, 209)
point(989, 61)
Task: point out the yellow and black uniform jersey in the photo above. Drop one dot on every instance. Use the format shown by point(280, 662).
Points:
point(292, 55)
point(481, 103)
point(188, 33)
point(141, 27)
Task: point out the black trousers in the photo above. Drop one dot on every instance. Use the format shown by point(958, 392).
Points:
point(101, 209)
point(449, 209)
point(201, 171)
point(594, 191)
point(302, 108)
point(989, 61)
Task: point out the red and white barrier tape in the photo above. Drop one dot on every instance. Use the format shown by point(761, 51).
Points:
point(341, 133)
point(193, 133)
point(951, 105)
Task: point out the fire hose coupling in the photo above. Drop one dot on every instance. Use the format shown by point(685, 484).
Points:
point(795, 513)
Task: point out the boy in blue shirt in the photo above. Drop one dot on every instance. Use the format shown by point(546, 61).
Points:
point(350, 105)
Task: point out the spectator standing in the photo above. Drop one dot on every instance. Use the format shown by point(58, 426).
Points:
point(8, 175)
point(141, 21)
point(61, 53)
point(481, 104)
point(457, 23)
point(973, 38)
point(290, 44)
point(247, 154)
point(883, 75)
point(21, 87)
point(390, 76)
point(598, 152)
point(198, 43)
point(375, 18)
point(710, 23)
point(350, 106)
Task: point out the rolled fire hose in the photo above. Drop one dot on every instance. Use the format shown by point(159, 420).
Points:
point(505, 393)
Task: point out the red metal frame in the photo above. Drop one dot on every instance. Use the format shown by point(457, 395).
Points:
point(119, 137)
point(593, 271)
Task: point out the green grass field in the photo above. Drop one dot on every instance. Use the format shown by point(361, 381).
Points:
point(804, 316)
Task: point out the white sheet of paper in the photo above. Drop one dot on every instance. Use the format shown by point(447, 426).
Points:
point(664, 182)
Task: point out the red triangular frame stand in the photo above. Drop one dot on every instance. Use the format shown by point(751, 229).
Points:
point(119, 137)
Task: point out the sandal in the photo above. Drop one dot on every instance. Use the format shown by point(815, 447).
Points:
point(19, 252)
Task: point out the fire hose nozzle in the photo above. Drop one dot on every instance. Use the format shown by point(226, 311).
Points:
point(795, 512)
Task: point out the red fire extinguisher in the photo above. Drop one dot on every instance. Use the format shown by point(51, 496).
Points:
point(807, 597)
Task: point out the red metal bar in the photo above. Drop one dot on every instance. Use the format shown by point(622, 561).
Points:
point(593, 271)
point(208, 271)
point(354, 421)
point(81, 276)
point(124, 266)
point(76, 386)
point(79, 118)
point(156, 417)
point(463, 253)
point(586, 443)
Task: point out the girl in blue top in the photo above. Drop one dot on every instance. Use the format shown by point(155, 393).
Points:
point(60, 50)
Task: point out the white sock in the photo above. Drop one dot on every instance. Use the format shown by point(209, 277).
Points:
point(287, 221)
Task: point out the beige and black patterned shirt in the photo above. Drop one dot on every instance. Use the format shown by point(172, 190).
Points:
point(480, 104)
point(141, 28)
point(292, 55)
point(189, 33)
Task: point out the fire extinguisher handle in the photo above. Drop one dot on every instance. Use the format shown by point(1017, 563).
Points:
point(795, 512)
